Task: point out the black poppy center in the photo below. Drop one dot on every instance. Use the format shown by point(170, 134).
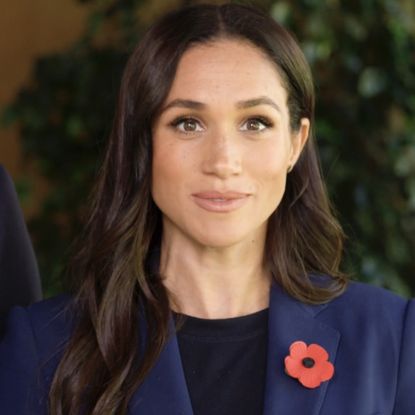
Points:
point(308, 362)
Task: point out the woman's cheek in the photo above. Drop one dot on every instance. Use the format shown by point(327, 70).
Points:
point(269, 162)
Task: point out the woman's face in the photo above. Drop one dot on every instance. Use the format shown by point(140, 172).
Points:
point(222, 146)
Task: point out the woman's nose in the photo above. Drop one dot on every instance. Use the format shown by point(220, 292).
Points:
point(222, 156)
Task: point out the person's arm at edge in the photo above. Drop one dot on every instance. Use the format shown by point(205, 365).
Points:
point(405, 395)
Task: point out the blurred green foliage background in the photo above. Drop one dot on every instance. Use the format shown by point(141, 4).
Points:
point(362, 53)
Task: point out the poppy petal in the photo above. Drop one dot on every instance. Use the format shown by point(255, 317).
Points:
point(298, 350)
point(310, 378)
point(293, 367)
point(326, 370)
point(317, 353)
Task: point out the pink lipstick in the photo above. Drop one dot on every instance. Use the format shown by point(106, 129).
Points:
point(220, 202)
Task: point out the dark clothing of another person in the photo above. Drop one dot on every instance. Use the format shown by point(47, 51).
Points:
point(224, 363)
point(19, 276)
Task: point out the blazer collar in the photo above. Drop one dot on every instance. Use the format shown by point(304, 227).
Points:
point(165, 391)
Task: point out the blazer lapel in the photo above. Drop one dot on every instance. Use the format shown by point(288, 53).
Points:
point(164, 391)
point(289, 321)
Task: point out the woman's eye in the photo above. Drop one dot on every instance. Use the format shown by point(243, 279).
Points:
point(257, 124)
point(186, 125)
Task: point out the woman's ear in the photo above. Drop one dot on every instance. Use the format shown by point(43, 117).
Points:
point(298, 140)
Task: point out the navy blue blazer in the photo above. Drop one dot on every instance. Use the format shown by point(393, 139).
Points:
point(368, 332)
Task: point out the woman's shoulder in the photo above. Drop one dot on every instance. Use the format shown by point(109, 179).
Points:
point(32, 345)
point(50, 308)
point(48, 323)
point(368, 297)
point(368, 307)
point(55, 311)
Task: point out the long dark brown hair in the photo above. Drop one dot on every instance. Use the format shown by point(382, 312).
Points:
point(115, 281)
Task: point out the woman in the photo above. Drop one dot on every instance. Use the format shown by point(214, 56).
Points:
point(210, 216)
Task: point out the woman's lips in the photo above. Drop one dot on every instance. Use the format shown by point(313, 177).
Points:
point(220, 202)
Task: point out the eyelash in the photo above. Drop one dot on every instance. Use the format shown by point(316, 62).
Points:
point(265, 121)
point(268, 123)
point(180, 120)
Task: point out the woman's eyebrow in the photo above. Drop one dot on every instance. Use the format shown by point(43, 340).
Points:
point(263, 100)
point(253, 102)
point(184, 103)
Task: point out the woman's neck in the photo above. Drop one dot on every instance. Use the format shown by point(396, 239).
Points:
point(215, 283)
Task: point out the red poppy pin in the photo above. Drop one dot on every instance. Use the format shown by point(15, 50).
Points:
point(308, 364)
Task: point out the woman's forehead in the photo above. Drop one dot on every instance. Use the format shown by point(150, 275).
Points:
point(226, 70)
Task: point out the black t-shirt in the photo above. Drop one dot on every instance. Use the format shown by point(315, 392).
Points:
point(224, 362)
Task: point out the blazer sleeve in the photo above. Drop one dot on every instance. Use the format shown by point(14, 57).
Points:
point(405, 397)
point(22, 387)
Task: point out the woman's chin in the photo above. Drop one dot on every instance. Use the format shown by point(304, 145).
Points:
point(222, 239)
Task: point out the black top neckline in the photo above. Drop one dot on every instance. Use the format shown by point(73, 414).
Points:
point(234, 327)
